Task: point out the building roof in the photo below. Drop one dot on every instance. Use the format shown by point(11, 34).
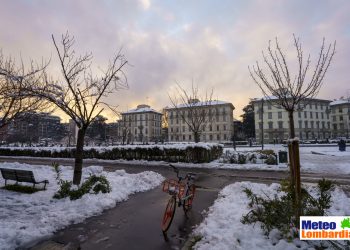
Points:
point(271, 98)
point(141, 109)
point(199, 104)
point(339, 102)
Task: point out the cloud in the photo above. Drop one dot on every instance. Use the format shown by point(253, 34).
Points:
point(210, 42)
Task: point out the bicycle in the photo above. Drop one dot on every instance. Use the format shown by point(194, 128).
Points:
point(182, 193)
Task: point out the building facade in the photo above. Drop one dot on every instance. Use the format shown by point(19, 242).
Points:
point(340, 117)
point(217, 128)
point(142, 124)
point(311, 120)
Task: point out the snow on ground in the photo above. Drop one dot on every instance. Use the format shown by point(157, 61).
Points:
point(222, 229)
point(25, 218)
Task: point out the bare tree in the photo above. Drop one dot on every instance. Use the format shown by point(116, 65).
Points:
point(81, 93)
point(14, 80)
point(283, 88)
point(193, 110)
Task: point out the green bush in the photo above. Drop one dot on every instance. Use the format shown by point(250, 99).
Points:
point(278, 212)
point(192, 153)
point(271, 160)
point(93, 185)
point(242, 159)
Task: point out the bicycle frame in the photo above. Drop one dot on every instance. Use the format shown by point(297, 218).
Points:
point(182, 193)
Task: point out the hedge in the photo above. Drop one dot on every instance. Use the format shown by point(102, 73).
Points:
point(190, 153)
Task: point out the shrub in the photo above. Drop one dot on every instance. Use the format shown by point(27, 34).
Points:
point(242, 159)
point(93, 185)
point(271, 160)
point(278, 212)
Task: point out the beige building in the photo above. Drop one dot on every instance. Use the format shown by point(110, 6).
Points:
point(340, 118)
point(142, 124)
point(218, 125)
point(311, 120)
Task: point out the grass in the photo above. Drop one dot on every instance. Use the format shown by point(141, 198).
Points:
point(21, 189)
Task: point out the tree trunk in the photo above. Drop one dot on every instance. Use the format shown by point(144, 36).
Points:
point(79, 156)
point(291, 125)
point(196, 136)
point(291, 148)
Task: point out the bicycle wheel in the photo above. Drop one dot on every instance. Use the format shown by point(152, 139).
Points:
point(169, 214)
point(188, 202)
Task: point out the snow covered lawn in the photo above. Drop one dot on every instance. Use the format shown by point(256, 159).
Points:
point(222, 229)
point(26, 218)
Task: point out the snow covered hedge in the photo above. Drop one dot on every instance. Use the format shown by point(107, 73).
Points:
point(268, 157)
point(190, 152)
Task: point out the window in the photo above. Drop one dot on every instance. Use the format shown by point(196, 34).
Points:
point(211, 137)
point(260, 125)
point(334, 118)
point(183, 137)
point(177, 129)
point(218, 137)
point(300, 124)
point(335, 126)
point(317, 124)
point(190, 137)
point(316, 115)
point(306, 124)
point(269, 106)
point(299, 114)
point(305, 114)
point(323, 126)
point(183, 129)
point(279, 115)
point(340, 118)
point(269, 115)
point(322, 116)
point(280, 124)
point(146, 131)
point(340, 110)
point(224, 127)
point(316, 106)
point(217, 127)
point(270, 125)
point(311, 114)
point(341, 126)
point(312, 124)
point(210, 128)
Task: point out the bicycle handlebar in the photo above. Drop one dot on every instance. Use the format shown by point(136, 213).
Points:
point(189, 175)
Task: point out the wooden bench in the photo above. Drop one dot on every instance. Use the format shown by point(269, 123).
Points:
point(20, 176)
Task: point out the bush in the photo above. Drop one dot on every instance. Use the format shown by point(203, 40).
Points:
point(93, 185)
point(278, 212)
point(271, 160)
point(190, 153)
point(242, 159)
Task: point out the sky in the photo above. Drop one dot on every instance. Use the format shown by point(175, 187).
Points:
point(207, 42)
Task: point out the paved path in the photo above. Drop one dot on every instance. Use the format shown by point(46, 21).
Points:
point(135, 223)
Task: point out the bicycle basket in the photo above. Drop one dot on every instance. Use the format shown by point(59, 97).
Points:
point(169, 185)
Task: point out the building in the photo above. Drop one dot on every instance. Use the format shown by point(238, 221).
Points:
point(311, 120)
point(32, 127)
point(218, 125)
point(340, 118)
point(142, 124)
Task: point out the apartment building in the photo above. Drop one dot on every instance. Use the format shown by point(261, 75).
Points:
point(142, 124)
point(340, 117)
point(218, 125)
point(311, 120)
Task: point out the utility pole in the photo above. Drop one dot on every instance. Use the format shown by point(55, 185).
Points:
point(262, 123)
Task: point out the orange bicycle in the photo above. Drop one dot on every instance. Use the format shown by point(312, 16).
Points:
point(182, 193)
